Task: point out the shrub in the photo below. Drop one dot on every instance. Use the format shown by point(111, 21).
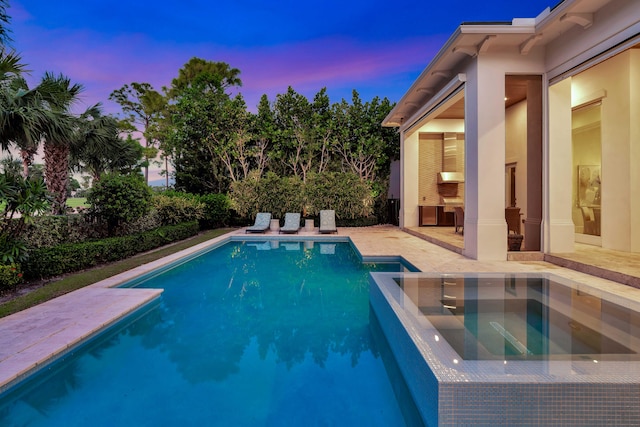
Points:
point(118, 199)
point(345, 193)
point(244, 196)
point(147, 222)
point(217, 207)
point(176, 210)
point(10, 277)
point(20, 200)
point(47, 230)
point(216, 210)
point(66, 258)
point(270, 193)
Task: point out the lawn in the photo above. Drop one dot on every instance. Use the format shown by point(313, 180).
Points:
point(74, 202)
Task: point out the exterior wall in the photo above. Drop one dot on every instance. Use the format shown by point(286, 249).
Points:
point(613, 78)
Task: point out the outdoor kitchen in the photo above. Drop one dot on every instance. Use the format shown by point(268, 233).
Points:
point(441, 177)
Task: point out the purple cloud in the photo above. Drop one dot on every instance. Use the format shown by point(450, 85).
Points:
point(104, 63)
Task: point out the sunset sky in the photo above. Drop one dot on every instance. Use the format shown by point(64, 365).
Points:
point(377, 48)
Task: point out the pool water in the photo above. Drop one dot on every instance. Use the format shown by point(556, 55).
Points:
point(525, 318)
point(251, 333)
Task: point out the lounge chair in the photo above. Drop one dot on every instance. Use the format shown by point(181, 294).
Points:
point(291, 223)
point(263, 221)
point(328, 221)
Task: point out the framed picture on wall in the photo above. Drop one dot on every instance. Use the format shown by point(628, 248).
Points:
point(588, 185)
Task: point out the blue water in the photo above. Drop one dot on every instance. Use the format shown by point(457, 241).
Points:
point(245, 335)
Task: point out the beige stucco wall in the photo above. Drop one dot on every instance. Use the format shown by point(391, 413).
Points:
point(613, 80)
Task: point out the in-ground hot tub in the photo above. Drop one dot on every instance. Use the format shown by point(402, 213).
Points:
point(507, 349)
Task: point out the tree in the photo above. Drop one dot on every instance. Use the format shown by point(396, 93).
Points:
point(209, 135)
point(263, 131)
point(24, 118)
point(117, 199)
point(229, 137)
point(63, 94)
point(293, 117)
point(99, 148)
point(4, 22)
point(358, 138)
point(10, 64)
point(321, 129)
point(144, 107)
point(225, 76)
point(196, 116)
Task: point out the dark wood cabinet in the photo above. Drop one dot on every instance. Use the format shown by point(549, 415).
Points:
point(435, 215)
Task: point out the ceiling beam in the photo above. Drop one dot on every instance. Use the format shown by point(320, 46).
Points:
point(585, 20)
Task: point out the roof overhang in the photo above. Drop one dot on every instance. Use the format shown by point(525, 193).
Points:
point(521, 36)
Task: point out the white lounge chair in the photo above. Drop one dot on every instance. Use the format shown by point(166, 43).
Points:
point(328, 221)
point(291, 223)
point(263, 221)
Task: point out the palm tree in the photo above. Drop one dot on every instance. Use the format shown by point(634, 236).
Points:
point(61, 95)
point(98, 147)
point(10, 64)
point(24, 118)
point(4, 21)
point(17, 119)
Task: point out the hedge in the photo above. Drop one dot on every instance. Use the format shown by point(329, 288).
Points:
point(70, 257)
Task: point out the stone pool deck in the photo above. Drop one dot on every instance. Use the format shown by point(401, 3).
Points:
point(32, 337)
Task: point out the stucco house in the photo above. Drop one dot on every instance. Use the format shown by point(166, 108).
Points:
point(540, 114)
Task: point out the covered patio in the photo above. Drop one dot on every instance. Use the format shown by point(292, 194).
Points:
point(618, 266)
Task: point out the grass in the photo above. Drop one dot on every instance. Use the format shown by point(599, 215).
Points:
point(79, 280)
point(74, 202)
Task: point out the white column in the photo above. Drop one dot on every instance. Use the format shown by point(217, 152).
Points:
point(559, 226)
point(485, 226)
point(409, 179)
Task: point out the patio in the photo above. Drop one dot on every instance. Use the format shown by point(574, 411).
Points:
point(618, 266)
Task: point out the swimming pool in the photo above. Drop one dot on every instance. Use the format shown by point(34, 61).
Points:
point(252, 333)
point(512, 349)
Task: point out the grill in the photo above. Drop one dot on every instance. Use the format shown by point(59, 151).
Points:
point(451, 202)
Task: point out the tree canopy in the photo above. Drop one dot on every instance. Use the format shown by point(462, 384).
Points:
point(214, 141)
